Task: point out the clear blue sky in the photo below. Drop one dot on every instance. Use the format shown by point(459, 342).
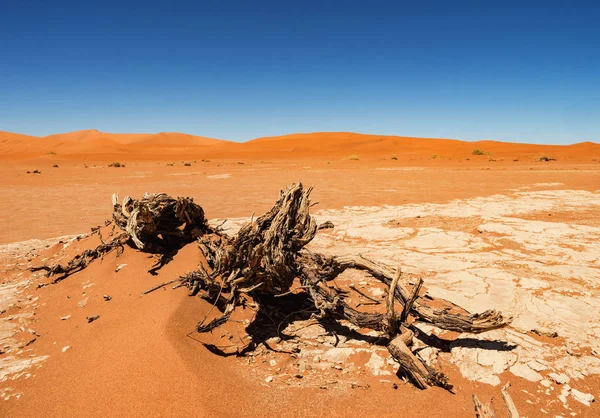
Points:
point(507, 70)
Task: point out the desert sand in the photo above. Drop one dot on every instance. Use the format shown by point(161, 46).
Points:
point(502, 230)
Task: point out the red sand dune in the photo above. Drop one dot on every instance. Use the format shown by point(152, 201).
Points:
point(96, 144)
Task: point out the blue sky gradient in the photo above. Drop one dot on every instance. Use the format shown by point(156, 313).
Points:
point(511, 71)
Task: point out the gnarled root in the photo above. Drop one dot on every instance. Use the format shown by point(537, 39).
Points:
point(81, 261)
point(267, 255)
point(261, 262)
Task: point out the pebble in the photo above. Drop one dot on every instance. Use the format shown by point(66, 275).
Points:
point(92, 318)
point(559, 378)
point(269, 379)
point(65, 348)
point(584, 398)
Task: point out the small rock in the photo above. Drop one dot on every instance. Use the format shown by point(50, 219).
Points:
point(65, 348)
point(338, 354)
point(64, 318)
point(119, 267)
point(273, 363)
point(92, 318)
point(107, 297)
point(584, 398)
point(325, 225)
point(561, 378)
point(525, 372)
point(538, 367)
point(298, 376)
point(269, 379)
point(376, 364)
point(562, 398)
point(545, 383)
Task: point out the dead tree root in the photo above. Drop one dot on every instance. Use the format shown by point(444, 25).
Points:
point(259, 265)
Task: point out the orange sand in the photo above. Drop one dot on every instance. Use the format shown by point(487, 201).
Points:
point(137, 359)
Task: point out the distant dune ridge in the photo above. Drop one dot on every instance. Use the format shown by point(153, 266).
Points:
point(96, 144)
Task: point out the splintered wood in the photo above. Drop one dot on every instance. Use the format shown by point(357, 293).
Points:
point(262, 261)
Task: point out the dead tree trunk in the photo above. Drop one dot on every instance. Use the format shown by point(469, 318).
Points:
point(268, 254)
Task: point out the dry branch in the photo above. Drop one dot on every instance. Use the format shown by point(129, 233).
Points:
point(483, 410)
point(486, 410)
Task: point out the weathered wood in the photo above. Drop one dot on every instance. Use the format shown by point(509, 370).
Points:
point(363, 294)
point(259, 264)
point(510, 405)
point(81, 261)
point(486, 411)
point(409, 363)
point(442, 318)
point(158, 222)
point(483, 410)
point(159, 286)
point(411, 300)
point(391, 325)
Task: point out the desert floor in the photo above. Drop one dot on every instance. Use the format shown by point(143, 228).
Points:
point(519, 236)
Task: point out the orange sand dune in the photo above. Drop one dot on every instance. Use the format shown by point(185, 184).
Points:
point(348, 143)
point(93, 144)
point(96, 143)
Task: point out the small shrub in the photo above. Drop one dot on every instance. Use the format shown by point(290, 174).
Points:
point(187, 164)
point(477, 151)
point(353, 158)
point(116, 164)
point(547, 159)
point(395, 158)
point(434, 156)
point(170, 164)
point(51, 153)
point(55, 166)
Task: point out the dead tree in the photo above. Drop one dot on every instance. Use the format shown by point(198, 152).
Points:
point(156, 223)
point(266, 256)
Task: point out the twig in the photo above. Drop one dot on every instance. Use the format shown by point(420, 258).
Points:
point(411, 300)
point(364, 295)
point(152, 289)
